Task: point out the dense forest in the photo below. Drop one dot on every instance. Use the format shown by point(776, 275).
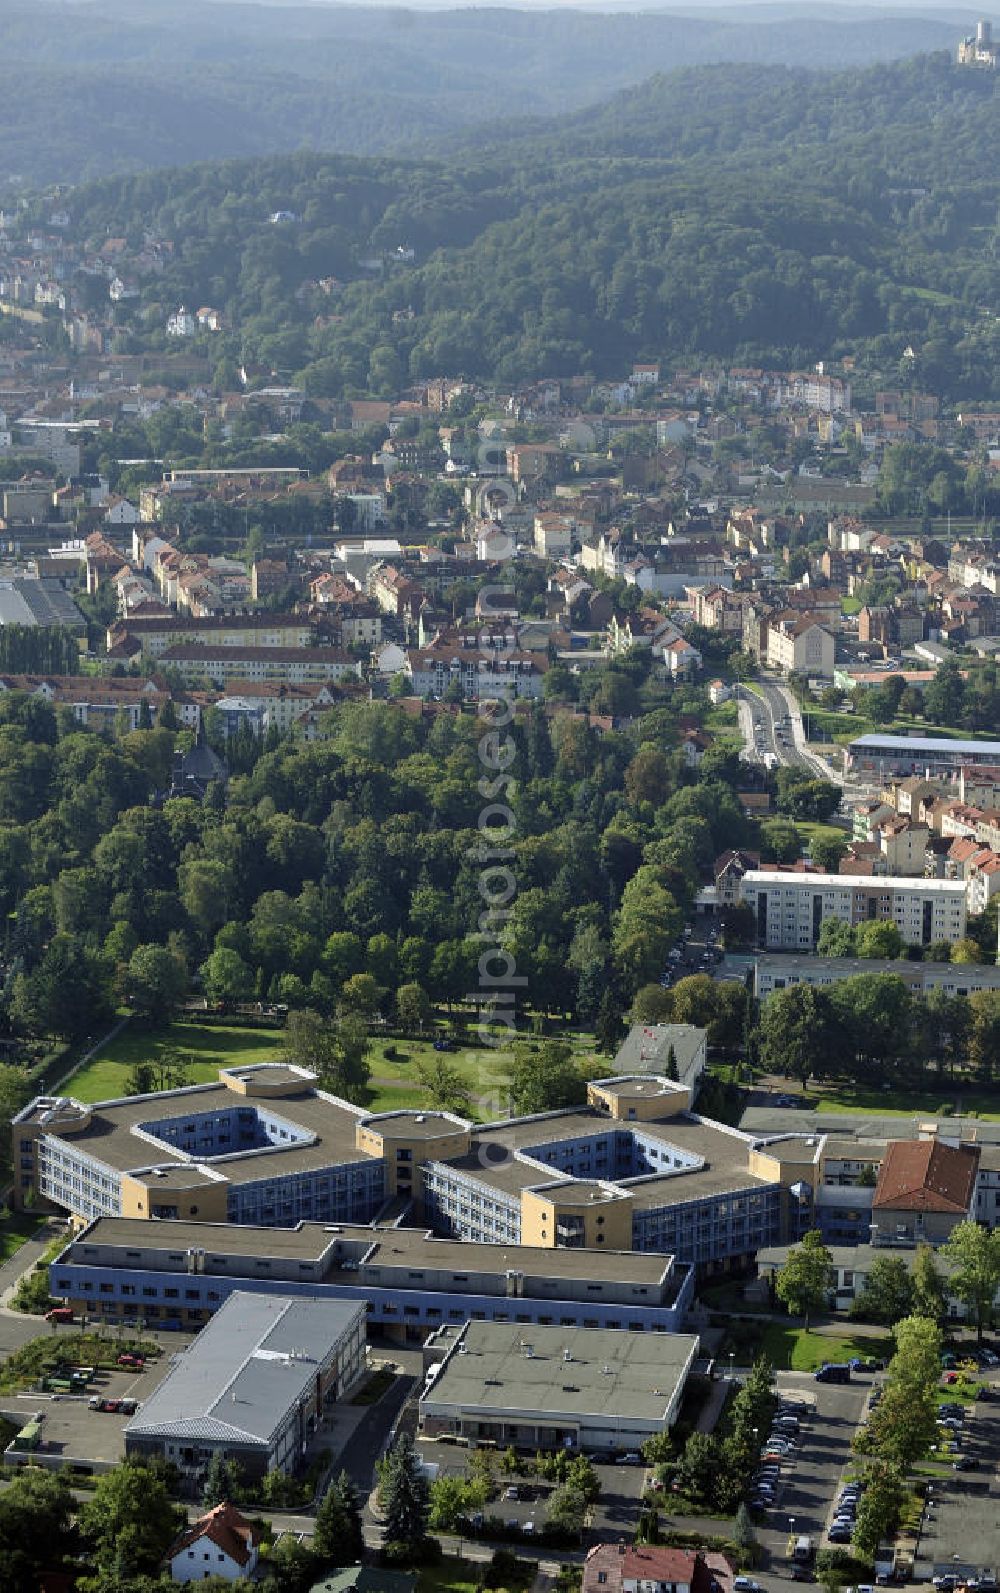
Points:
point(125, 84)
point(756, 214)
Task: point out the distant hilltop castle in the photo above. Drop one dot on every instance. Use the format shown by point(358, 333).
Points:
point(978, 49)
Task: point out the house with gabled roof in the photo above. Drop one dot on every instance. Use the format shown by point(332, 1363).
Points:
point(220, 1543)
point(925, 1188)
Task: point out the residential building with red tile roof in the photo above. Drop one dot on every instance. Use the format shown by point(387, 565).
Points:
point(220, 1543)
point(925, 1187)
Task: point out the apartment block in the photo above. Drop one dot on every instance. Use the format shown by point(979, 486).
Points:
point(790, 908)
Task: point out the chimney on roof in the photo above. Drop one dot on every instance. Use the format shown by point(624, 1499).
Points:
point(621, 1545)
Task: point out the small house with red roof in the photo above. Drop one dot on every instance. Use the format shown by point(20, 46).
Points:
point(220, 1543)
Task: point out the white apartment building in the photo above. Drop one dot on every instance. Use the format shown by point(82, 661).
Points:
point(503, 674)
point(790, 908)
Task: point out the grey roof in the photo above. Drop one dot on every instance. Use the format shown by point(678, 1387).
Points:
point(855, 1258)
point(13, 608)
point(791, 966)
point(27, 601)
point(256, 1358)
point(366, 1579)
point(926, 744)
point(610, 1372)
point(384, 1248)
point(492, 1161)
point(647, 1045)
point(111, 1137)
point(863, 1126)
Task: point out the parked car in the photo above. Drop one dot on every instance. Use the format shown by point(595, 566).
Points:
point(631, 1458)
point(840, 1533)
point(746, 1584)
point(967, 1463)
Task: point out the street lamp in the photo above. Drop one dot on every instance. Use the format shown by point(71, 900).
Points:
point(732, 1357)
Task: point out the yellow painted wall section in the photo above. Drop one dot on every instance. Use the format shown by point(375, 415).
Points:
point(21, 1199)
point(785, 1172)
point(262, 1083)
point(607, 1224)
point(384, 1142)
point(640, 1106)
point(538, 1226)
point(201, 1203)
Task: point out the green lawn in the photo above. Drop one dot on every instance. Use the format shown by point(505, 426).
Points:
point(105, 1078)
point(452, 1575)
point(15, 1228)
point(802, 1350)
point(395, 1081)
point(837, 727)
point(906, 1103)
point(378, 1384)
point(724, 716)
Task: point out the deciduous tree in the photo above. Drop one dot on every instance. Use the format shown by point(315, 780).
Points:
point(803, 1284)
point(974, 1254)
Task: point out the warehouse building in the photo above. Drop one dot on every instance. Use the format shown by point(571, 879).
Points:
point(580, 1388)
point(177, 1274)
point(254, 1386)
point(879, 757)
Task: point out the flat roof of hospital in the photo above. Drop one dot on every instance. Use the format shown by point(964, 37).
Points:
point(110, 1136)
point(390, 1247)
point(563, 1371)
point(725, 1155)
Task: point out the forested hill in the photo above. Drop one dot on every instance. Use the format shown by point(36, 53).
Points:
point(122, 85)
point(751, 213)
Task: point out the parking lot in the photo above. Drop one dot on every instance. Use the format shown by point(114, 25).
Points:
point(71, 1430)
point(615, 1515)
point(961, 1524)
point(810, 1478)
point(960, 1532)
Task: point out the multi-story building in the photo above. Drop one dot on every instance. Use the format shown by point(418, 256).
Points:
point(635, 1169)
point(718, 609)
point(254, 1387)
point(582, 1388)
point(108, 703)
point(480, 673)
point(294, 665)
point(790, 907)
point(953, 978)
point(177, 1275)
point(800, 646)
point(151, 635)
